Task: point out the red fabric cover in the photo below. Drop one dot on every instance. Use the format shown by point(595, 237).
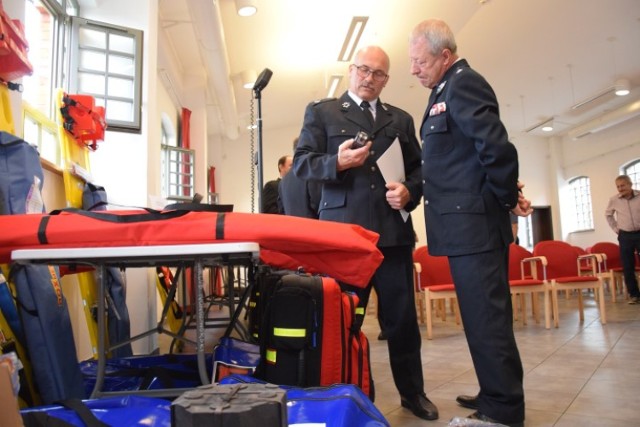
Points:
point(346, 252)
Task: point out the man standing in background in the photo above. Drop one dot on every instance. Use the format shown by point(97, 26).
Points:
point(299, 197)
point(623, 216)
point(270, 191)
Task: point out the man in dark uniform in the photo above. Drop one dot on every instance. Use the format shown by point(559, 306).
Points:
point(354, 191)
point(269, 196)
point(299, 197)
point(470, 172)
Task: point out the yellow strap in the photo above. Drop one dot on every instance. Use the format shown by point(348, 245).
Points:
point(271, 355)
point(291, 333)
point(360, 310)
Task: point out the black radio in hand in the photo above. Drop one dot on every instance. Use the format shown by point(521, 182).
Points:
point(360, 140)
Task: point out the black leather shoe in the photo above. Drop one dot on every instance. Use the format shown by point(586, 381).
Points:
point(382, 336)
point(470, 402)
point(482, 417)
point(420, 406)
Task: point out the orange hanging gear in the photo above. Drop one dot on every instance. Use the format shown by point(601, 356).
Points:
point(82, 119)
point(14, 62)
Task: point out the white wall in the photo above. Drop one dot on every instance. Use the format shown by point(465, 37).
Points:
point(598, 156)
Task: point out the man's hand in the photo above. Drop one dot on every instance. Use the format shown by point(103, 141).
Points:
point(397, 195)
point(350, 158)
point(524, 205)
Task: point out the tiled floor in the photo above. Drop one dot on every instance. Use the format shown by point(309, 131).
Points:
point(581, 374)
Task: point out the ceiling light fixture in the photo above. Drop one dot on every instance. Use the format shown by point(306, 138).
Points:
point(621, 87)
point(334, 82)
point(545, 125)
point(248, 78)
point(353, 37)
point(606, 121)
point(246, 7)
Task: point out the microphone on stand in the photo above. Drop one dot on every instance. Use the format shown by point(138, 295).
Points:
point(263, 80)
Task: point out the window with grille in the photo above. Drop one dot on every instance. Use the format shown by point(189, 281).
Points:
point(580, 193)
point(632, 170)
point(178, 173)
point(107, 64)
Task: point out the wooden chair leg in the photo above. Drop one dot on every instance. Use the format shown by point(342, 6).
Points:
point(429, 315)
point(603, 312)
point(580, 305)
point(554, 301)
point(547, 309)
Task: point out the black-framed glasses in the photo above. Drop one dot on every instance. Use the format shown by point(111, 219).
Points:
point(364, 71)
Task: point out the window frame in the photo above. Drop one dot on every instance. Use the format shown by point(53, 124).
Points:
point(632, 170)
point(134, 125)
point(582, 204)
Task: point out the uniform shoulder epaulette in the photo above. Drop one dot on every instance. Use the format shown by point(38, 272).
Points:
point(322, 101)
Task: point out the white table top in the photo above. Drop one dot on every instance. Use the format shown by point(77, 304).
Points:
point(131, 252)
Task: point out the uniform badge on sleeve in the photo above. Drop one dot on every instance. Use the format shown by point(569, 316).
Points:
point(438, 108)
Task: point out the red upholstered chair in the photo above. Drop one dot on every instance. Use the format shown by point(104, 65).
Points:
point(585, 262)
point(436, 285)
point(527, 276)
point(563, 271)
point(612, 267)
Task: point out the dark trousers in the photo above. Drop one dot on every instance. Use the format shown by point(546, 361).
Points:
point(482, 288)
point(629, 245)
point(393, 282)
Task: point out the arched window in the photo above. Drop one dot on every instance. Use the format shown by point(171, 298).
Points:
point(580, 193)
point(632, 170)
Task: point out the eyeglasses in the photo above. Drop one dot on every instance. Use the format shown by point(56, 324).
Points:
point(364, 71)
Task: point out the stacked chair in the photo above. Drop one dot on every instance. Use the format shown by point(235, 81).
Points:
point(527, 276)
point(436, 285)
point(563, 270)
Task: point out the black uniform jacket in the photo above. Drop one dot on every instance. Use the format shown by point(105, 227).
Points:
point(358, 195)
point(470, 168)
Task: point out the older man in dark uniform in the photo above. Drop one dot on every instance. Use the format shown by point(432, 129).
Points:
point(354, 191)
point(470, 172)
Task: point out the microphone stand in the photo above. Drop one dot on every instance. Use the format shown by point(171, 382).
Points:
point(258, 95)
point(261, 82)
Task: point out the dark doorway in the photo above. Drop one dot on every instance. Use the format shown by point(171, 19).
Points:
point(541, 224)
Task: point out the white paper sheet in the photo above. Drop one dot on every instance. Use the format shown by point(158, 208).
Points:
point(391, 165)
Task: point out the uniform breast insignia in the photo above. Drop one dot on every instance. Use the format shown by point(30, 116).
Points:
point(438, 108)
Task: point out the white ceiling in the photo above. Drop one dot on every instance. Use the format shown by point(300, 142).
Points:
point(541, 57)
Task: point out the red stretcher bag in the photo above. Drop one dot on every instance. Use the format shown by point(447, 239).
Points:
point(346, 252)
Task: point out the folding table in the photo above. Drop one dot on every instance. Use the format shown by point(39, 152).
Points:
point(197, 256)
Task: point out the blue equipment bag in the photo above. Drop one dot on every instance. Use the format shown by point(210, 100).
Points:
point(146, 372)
point(44, 316)
point(48, 333)
point(19, 170)
point(94, 198)
point(232, 356)
point(130, 411)
point(338, 405)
